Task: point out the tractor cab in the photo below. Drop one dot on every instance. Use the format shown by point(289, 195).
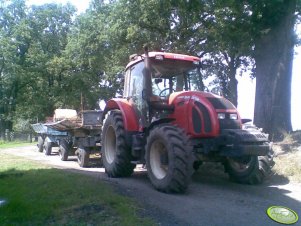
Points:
point(151, 78)
point(171, 76)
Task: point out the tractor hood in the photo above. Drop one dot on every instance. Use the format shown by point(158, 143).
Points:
point(204, 114)
point(217, 102)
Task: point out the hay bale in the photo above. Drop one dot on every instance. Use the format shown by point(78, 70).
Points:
point(61, 114)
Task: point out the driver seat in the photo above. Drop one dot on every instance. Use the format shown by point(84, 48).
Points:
point(156, 103)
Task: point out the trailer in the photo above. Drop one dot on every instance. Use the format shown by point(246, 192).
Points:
point(72, 133)
point(48, 137)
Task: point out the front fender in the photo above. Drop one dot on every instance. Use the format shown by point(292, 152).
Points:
point(129, 115)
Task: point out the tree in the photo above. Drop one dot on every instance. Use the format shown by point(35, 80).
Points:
point(217, 30)
point(274, 38)
point(30, 38)
point(228, 44)
point(13, 44)
point(86, 62)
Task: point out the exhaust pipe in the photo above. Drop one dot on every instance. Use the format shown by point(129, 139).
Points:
point(147, 81)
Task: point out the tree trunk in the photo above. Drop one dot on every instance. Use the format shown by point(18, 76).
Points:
point(229, 82)
point(232, 87)
point(273, 57)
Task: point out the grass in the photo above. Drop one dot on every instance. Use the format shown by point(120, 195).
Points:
point(288, 157)
point(6, 144)
point(289, 166)
point(39, 195)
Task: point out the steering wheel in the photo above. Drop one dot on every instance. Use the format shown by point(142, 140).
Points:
point(163, 90)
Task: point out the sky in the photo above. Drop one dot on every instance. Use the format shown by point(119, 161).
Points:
point(81, 5)
point(246, 86)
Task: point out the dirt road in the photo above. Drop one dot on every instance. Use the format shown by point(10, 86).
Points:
point(210, 200)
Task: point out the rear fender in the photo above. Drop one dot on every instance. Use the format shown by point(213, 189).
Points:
point(159, 122)
point(129, 115)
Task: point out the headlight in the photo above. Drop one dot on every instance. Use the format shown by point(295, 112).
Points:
point(221, 115)
point(233, 116)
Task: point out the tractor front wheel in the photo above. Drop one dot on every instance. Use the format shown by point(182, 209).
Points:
point(168, 159)
point(115, 153)
point(249, 169)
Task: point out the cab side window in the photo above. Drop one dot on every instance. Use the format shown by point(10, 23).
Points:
point(127, 79)
point(136, 81)
point(133, 82)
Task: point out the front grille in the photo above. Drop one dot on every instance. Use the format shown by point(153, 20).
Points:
point(228, 123)
point(254, 136)
point(207, 121)
point(196, 120)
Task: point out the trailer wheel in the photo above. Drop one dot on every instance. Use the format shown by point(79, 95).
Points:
point(64, 150)
point(249, 169)
point(83, 157)
point(40, 143)
point(48, 147)
point(169, 159)
point(115, 153)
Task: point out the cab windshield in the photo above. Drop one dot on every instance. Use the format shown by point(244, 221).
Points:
point(171, 75)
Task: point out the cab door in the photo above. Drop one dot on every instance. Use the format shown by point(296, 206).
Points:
point(133, 91)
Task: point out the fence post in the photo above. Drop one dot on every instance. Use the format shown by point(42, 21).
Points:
point(12, 135)
point(7, 135)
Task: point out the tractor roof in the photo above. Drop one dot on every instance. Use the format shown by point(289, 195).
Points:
point(157, 55)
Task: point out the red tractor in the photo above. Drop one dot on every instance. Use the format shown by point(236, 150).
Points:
point(163, 121)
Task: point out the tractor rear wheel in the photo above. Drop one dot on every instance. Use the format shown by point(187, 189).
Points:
point(47, 147)
point(249, 169)
point(83, 156)
point(115, 153)
point(64, 149)
point(169, 159)
point(40, 143)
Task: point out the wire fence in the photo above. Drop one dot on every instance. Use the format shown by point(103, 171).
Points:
point(17, 136)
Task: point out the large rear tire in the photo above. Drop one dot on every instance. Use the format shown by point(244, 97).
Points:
point(40, 144)
point(115, 153)
point(169, 159)
point(64, 149)
point(249, 169)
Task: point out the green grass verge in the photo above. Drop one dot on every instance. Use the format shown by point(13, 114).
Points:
point(6, 144)
point(39, 195)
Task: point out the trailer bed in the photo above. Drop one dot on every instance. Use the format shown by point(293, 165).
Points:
point(43, 129)
point(89, 120)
